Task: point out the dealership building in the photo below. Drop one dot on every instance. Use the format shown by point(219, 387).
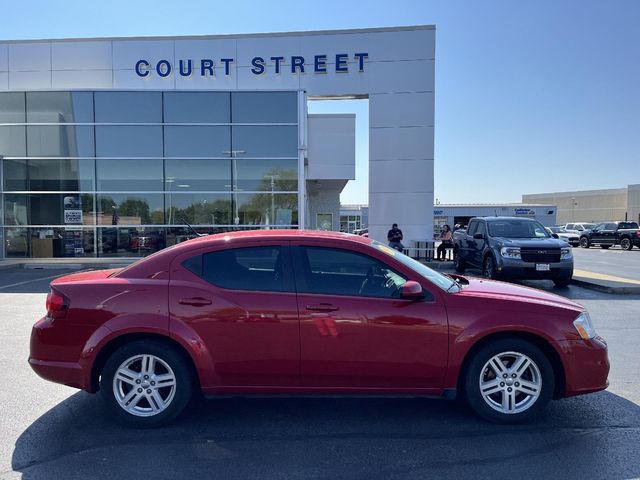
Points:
point(593, 205)
point(108, 147)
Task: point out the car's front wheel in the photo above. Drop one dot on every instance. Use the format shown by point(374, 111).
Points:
point(458, 262)
point(146, 383)
point(489, 267)
point(509, 380)
point(584, 242)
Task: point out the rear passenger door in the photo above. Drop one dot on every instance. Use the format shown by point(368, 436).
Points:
point(241, 302)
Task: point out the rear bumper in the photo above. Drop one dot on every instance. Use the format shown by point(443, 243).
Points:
point(48, 360)
point(67, 373)
point(586, 365)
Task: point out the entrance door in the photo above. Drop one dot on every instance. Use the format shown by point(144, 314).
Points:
point(356, 331)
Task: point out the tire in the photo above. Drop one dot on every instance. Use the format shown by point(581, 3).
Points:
point(169, 400)
point(605, 247)
point(489, 268)
point(562, 282)
point(520, 404)
point(458, 262)
point(584, 242)
point(626, 244)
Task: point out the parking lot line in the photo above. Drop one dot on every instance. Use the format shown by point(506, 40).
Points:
point(603, 276)
point(31, 281)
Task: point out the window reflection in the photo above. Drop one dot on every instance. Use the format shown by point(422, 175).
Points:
point(196, 141)
point(129, 175)
point(60, 107)
point(266, 141)
point(197, 107)
point(49, 242)
point(12, 107)
point(199, 208)
point(48, 209)
point(264, 107)
point(197, 174)
point(130, 241)
point(13, 141)
point(128, 141)
point(267, 208)
point(128, 107)
point(267, 175)
point(130, 209)
point(60, 141)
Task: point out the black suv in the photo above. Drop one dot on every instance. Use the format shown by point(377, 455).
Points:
point(608, 234)
point(513, 247)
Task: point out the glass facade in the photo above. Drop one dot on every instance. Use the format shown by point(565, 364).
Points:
point(117, 174)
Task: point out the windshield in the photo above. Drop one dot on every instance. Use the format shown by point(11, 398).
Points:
point(515, 228)
point(441, 281)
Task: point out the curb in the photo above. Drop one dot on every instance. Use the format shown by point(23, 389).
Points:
point(598, 287)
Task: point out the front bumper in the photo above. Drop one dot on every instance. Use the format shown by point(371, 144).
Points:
point(509, 267)
point(586, 366)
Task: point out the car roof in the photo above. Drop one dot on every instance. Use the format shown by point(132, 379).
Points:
point(154, 264)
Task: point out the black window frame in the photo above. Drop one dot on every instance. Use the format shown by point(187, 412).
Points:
point(196, 265)
point(303, 269)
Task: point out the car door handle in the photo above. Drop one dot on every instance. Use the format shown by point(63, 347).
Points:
point(322, 307)
point(195, 301)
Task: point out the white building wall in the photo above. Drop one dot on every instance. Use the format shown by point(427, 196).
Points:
point(397, 77)
point(332, 147)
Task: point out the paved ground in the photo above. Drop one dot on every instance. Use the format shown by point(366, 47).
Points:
point(613, 261)
point(54, 432)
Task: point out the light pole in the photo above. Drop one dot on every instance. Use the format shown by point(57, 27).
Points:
point(234, 182)
point(169, 180)
point(273, 208)
point(573, 209)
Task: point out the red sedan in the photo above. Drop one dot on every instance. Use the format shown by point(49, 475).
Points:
point(301, 312)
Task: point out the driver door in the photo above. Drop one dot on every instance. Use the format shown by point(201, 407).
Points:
point(355, 330)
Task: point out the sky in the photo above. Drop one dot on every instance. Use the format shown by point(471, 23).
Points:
point(531, 96)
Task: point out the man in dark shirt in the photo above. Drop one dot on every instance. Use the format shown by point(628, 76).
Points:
point(395, 238)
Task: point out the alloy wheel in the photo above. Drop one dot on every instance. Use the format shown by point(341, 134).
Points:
point(510, 382)
point(144, 385)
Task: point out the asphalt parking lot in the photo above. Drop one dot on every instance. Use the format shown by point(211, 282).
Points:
point(52, 431)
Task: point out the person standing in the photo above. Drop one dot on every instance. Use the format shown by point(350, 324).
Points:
point(394, 236)
point(446, 241)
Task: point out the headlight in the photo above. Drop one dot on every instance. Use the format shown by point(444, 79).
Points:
point(565, 254)
point(584, 327)
point(510, 252)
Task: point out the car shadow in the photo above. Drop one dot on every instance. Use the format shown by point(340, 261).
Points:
point(593, 436)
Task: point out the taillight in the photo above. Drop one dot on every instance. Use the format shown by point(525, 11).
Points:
point(638, 233)
point(57, 304)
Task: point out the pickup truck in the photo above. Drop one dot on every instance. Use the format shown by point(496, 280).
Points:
point(608, 234)
point(513, 247)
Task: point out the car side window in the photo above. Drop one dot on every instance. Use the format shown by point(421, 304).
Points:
point(250, 268)
point(333, 271)
point(610, 226)
point(598, 227)
point(472, 227)
point(481, 228)
point(570, 226)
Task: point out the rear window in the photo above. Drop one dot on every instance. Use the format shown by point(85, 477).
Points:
point(252, 268)
point(627, 225)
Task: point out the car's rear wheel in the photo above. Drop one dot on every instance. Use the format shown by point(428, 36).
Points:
point(626, 244)
point(584, 242)
point(489, 268)
point(146, 383)
point(458, 262)
point(509, 381)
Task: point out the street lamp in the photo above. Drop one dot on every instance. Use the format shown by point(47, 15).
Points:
point(573, 208)
point(169, 180)
point(234, 182)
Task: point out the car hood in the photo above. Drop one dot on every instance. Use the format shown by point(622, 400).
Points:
point(480, 287)
point(531, 242)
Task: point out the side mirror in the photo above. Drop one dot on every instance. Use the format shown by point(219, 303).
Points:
point(555, 235)
point(411, 291)
point(478, 236)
